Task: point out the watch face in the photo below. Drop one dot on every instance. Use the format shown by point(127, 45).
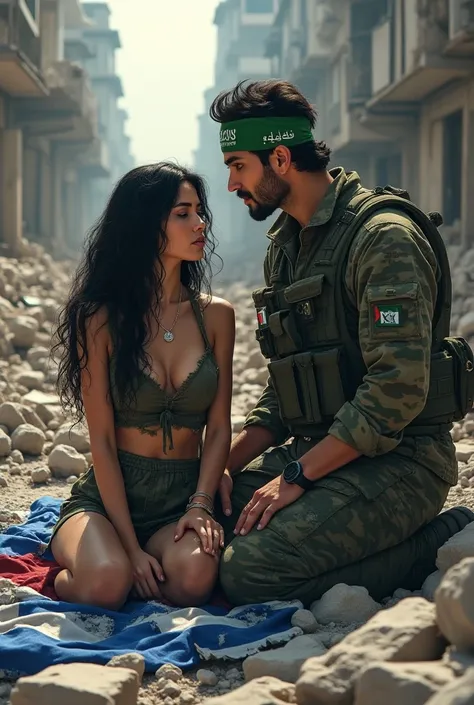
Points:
point(292, 472)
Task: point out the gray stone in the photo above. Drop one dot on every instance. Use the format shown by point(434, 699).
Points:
point(134, 661)
point(346, 604)
point(405, 632)
point(455, 605)
point(396, 683)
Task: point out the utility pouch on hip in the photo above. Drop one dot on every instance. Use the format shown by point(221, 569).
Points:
point(463, 369)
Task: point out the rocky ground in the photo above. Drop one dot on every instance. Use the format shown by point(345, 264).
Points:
point(353, 650)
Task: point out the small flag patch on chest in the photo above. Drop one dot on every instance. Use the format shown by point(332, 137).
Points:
point(262, 316)
point(387, 316)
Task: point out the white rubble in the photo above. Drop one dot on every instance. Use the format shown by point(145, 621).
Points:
point(78, 684)
point(75, 437)
point(285, 662)
point(401, 683)
point(454, 600)
point(65, 461)
point(345, 603)
point(405, 632)
point(28, 439)
point(459, 546)
point(134, 661)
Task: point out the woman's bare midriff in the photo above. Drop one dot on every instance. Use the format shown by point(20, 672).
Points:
point(186, 443)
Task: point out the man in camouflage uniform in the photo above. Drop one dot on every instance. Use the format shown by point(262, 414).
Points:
point(361, 392)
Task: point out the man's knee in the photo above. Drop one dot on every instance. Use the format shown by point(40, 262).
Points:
point(251, 570)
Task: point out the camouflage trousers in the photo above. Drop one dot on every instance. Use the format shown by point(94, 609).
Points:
point(353, 527)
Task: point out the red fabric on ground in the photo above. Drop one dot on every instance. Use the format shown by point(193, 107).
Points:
point(30, 571)
point(36, 573)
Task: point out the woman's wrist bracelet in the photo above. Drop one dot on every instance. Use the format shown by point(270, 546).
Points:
point(200, 505)
point(205, 495)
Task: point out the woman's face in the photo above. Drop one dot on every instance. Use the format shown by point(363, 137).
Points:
point(185, 227)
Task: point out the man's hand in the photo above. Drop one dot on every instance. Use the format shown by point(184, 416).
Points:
point(225, 490)
point(265, 502)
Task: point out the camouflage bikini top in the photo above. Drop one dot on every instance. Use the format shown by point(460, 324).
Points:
point(153, 407)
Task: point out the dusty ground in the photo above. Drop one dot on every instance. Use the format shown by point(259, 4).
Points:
point(18, 497)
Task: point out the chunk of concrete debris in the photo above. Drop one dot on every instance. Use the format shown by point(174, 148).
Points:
point(77, 684)
point(464, 451)
point(40, 475)
point(206, 677)
point(5, 444)
point(134, 661)
point(459, 692)
point(431, 584)
point(28, 439)
point(405, 632)
point(346, 604)
point(459, 546)
point(396, 683)
point(65, 461)
point(76, 436)
point(11, 415)
point(455, 605)
point(305, 620)
point(262, 691)
point(283, 663)
point(170, 672)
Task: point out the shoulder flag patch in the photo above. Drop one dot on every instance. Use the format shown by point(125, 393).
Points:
point(387, 316)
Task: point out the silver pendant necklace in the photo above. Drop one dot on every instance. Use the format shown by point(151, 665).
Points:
point(168, 334)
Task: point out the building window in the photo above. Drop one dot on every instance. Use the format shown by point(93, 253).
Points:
point(261, 7)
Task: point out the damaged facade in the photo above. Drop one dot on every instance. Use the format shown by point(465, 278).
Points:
point(61, 145)
point(393, 84)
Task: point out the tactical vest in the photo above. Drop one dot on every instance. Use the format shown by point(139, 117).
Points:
point(308, 329)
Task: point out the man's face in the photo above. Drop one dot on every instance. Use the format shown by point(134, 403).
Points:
point(261, 189)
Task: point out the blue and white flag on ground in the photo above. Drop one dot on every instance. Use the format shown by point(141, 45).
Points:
point(37, 631)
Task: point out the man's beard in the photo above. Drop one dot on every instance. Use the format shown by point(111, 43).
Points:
point(269, 195)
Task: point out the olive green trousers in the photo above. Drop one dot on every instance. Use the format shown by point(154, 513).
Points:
point(352, 527)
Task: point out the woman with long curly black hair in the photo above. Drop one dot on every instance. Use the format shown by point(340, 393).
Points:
point(146, 357)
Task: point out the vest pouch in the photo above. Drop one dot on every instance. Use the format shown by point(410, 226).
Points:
point(303, 298)
point(440, 406)
point(262, 334)
point(308, 388)
point(283, 329)
point(463, 359)
point(327, 366)
point(282, 374)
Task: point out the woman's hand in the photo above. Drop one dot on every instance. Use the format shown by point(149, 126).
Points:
point(208, 529)
point(146, 571)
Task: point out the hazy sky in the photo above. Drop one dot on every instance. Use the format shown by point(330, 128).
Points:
point(166, 62)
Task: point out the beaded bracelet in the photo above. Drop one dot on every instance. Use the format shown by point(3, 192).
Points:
point(201, 494)
point(199, 505)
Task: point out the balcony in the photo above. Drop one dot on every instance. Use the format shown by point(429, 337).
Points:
point(461, 28)
point(404, 73)
point(20, 51)
point(69, 111)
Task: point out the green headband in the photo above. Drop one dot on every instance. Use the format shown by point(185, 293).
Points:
point(256, 134)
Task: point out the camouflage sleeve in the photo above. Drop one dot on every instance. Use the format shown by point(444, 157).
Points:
point(391, 278)
point(266, 412)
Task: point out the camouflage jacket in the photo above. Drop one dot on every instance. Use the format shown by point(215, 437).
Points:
point(388, 248)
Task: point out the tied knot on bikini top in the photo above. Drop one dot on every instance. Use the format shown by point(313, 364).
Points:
point(153, 409)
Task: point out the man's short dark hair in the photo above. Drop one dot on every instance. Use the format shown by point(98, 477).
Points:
point(272, 98)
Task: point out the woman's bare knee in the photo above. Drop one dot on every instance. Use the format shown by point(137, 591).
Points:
point(97, 569)
point(109, 585)
point(190, 574)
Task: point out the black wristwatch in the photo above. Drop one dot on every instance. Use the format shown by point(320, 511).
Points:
point(293, 475)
